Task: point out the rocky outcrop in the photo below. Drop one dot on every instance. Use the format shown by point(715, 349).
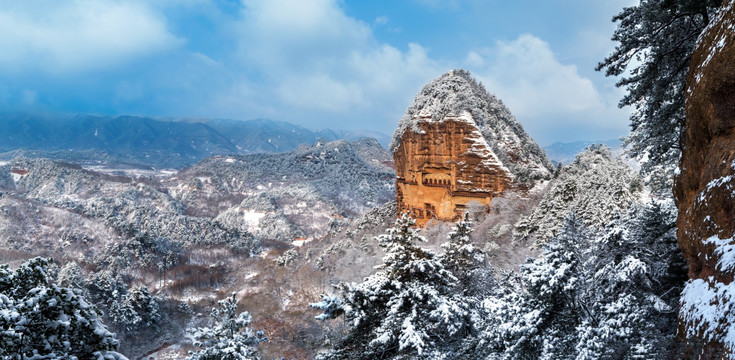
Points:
point(458, 144)
point(705, 190)
point(443, 167)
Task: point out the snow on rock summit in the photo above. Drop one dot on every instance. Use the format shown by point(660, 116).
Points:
point(456, 144)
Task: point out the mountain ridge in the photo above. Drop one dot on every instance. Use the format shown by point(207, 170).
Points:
point(144, 141)
point(566, 152)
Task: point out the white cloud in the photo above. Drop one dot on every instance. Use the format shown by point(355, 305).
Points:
point(301, 61)
point(533, 82)
point(286, 33)
point(544, 94)
point(314, 58)
point(474, 60)
point(61, 37)
point(314, 62)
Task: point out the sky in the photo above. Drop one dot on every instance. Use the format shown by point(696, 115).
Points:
point(339, 64)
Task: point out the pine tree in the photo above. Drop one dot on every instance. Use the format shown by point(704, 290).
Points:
point(542, 323)
point(610, 294)
point(635, 273)
point(135, 309)
point(461, 257)
point(596, 188)
point(230, 338)
point(40, 320)
point(655, 42)
point(70, 276)
point(405, 310)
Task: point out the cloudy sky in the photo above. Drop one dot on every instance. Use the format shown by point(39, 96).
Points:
point(347, 64)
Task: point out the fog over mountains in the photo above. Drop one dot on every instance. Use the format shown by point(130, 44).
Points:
point(153, 142)
point(177, 143)
point(565, 152)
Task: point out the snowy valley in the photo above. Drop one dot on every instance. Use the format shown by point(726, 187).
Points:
point(459, 237)
point(274, 233)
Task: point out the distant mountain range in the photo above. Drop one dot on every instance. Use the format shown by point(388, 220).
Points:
point(178, 143)
point(565, 152)
point(144, 141)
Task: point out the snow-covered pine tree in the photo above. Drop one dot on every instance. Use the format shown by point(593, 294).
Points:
point(461, 256)
point(135, 309)
point(230, 338)
point(606, 295)
point(70, 276)
point(596, 188)
point(40, 320)
point(540, 323)
point(633, 274)
point(655, 42)
point(129, 310)
point(406, 310)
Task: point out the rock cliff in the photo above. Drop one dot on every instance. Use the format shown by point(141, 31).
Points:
point(457, 144)
point(705, 190)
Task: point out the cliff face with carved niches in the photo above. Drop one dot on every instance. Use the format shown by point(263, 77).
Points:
point(705, 191)
point(444, 167)
point(457, 144)
point(456, 92)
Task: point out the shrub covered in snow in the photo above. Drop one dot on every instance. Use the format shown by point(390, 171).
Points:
point(229, 338)
point(40, 320)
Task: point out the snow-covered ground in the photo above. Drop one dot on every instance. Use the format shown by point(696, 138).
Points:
point(252, 219)
point(130, 172)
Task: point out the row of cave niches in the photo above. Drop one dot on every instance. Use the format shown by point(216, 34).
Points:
point(429, 212)
point(436, 182)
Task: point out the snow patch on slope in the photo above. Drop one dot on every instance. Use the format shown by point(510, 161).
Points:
point(725, 251)
point(480, 146)
point(709, 307)
point(252, 219)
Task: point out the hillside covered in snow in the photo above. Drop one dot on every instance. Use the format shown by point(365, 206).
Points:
point(456, 92)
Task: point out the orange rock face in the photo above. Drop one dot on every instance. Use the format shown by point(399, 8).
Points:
point(708, 152)
point(444, 165)
point(705, 188)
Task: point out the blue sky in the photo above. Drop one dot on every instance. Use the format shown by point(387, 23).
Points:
point(317, 63)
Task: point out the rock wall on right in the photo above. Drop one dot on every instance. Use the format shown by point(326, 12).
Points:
point(705, 193)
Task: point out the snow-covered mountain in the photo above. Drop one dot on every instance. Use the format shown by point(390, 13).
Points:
point(565, 152)
point(456, 92)
point(595, 188)
point(155, 253)
point(160, 143)
point(219, 226)
point(289, 195)
point(269, 136)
